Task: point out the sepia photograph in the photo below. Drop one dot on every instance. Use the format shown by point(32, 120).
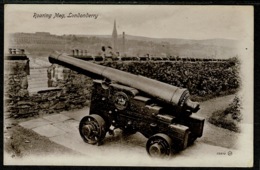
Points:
point(128, 85)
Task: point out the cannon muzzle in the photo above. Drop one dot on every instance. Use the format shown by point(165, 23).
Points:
point(168, 93)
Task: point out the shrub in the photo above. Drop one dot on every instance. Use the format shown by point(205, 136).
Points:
point(228, 118)
point(204, 80)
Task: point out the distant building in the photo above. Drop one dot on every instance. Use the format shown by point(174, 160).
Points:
point(114, 37)
point(123, 48)
point(35, 38)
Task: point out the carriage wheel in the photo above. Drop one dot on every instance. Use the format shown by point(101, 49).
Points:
point(92, 129)
point(159, 145)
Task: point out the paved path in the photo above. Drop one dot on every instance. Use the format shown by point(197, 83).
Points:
point(122, 151)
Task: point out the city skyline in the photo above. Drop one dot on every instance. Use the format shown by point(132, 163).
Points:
point(182, 22)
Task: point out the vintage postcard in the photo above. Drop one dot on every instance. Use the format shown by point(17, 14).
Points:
point(128, 85)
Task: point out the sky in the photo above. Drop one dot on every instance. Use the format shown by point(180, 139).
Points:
point(157, 21)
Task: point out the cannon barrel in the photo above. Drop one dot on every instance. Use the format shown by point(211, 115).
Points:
point(168, 93)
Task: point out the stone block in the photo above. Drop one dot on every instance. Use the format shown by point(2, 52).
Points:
point(56, 118)
point(48, 131)
point(34, 123)
point(77, 114)
point(59, 105)
point(23, 93)
point(25, 103)
point(74, 142)
point(70, 126)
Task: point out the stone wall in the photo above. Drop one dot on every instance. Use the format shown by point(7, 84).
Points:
point(15, 84)
point(76, 89)
point(70, 93)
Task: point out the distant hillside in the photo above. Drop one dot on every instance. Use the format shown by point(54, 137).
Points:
point(215, 42)
point(219, 48)
point(44, 43)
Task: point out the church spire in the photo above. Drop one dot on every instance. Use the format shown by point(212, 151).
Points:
point(114, 37)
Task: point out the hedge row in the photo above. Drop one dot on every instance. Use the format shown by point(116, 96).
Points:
point(204, 80)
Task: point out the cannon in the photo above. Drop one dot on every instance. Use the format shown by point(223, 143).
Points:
point(163, 113)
